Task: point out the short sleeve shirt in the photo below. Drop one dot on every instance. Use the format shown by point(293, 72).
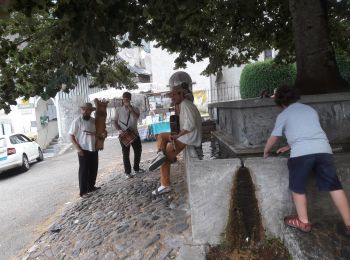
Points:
point(301, 126)
point(190, 120)
point(84, 132)
point(126, 119)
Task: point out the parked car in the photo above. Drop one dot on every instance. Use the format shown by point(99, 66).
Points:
point(17, 150)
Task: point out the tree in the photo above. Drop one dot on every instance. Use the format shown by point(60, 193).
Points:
point(38, 56)
point(234, 32)
point(229, 33)
point(317, 70)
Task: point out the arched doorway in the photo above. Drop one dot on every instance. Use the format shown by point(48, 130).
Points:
point(46, 121)
point(179, 77)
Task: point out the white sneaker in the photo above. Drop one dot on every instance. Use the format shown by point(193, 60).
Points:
point(139, 171)
point(161, 190)
point(128, 175)
point(157, 161)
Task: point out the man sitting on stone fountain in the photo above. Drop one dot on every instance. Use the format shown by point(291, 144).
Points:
point(310, 151)
point(171, 145)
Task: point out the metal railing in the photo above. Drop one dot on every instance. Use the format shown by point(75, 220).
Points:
point(223, 92)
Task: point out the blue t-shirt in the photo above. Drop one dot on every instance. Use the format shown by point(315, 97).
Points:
point(301, 126)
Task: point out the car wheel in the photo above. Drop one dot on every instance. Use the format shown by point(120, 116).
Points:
point(25, 163)
point(41, 156)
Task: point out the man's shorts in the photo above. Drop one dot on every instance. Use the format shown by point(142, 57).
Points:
point(320, 164)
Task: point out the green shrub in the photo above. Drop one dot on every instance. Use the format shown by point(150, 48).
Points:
point(344, 66)
point(267, 75)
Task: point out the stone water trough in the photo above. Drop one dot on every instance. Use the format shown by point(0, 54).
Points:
point(210, 181)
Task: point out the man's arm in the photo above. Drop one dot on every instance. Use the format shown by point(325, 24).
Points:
point(182, 132)
point(283, 149)
point(76, 145)
point(134, 111)
point(189, 125)
point(116, 119)
point(269, 144)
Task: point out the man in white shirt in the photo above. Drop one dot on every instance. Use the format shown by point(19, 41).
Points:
point(82, 135)
point(126, 119)
point(310, 151)
point(190, 134)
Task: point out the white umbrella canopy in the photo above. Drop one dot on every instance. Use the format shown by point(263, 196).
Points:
point(117, 93)
point(107, 94)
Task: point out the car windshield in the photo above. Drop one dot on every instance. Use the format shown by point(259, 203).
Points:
point(2, 142)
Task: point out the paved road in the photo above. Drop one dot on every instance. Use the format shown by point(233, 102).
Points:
point(29, 201)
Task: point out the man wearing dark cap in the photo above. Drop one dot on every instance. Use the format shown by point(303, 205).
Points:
point(82, 135)
point(126, 120)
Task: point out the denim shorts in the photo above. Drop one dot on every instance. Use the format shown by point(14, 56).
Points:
point(321, 165)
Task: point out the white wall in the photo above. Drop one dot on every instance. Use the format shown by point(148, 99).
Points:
point(137, 57)
point(225, 84)
point(27, 120)
point(46, 132)
point(163, 68)
point(230, 76)
point(68, 105)
point(20, 119)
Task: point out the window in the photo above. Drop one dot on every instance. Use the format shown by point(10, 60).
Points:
point(26, 139)
point(18, 139)
point(14, 139)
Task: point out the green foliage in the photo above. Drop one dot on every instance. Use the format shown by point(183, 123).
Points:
point(40, 56)
point(343, 62)
point(227, 32)
point(267, 75)
point(113, 74)
point(232, 32)
point(339, 26)
point(55, 41)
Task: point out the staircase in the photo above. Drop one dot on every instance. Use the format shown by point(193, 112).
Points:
point(53, 148)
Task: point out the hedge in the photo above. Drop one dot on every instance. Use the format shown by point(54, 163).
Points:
point(267, 75)
point(344, 66)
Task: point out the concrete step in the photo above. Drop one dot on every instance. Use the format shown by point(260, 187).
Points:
point(55, 149)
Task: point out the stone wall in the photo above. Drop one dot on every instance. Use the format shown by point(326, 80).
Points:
point(249, 122)
point(210, 182)
point(209, 186)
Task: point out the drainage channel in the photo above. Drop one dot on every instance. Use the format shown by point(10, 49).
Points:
point(244, 235)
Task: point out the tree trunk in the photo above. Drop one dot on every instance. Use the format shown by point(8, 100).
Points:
point(317, 70)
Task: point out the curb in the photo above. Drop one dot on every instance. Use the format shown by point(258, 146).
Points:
point(64, 149)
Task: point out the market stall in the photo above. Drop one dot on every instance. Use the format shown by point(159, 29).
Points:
point(157, 120)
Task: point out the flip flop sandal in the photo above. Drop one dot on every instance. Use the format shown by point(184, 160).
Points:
point(295, 222)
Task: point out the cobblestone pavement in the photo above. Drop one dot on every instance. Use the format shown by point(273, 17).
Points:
point(121, 221)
